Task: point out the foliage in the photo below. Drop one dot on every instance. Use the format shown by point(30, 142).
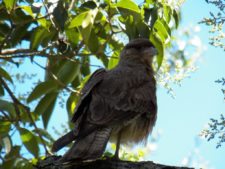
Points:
point(60, 38)
point(216, 22)
point(180, 58)
point(216, 126)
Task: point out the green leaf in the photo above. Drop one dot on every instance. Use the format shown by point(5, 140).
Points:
point(44, 133)
point(2, 92)
point(71, 104)
point(4, 127)
point(155, 39)
point(45, 107)
point(37, 37)
point(85, 22)
point(163, 30)
point(60, 15)
point(167, 11)
point(143, 29)
point(8, 107)
point(176, 17)
point(73, 36)
point(85, 66)
point(25, 117)
point(41, 89)
point(69, 71)
point(47, 115)
point(128, 4)
point(18, 16)
point(131, 29)
point(78, 20)
point(30, 141)
point(4, 29)
point(5, 74)
point(93, 42)
point(23, 163)
point(29, 11)
point(113, 61)
point(166, 26)
point(9, 4)
point(19, 34)
point(83, 19)
point(154, 16)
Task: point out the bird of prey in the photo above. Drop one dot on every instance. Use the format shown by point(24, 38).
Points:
point(115, 105)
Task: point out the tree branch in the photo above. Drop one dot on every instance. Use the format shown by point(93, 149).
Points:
point(102, 164)
point(17, 103)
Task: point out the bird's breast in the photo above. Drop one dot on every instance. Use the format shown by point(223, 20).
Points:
point(135, 131)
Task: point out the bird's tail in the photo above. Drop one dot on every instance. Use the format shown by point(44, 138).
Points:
point(89, 147)
point(63, 141)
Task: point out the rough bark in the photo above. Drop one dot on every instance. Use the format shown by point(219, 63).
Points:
point(50, 163)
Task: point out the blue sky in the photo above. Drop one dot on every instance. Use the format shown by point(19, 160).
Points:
point(198, 99)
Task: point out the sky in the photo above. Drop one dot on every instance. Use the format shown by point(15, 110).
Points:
point(181, 119)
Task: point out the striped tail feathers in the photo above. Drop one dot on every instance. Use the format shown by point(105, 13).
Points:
point(63, 141)
point(92, 146)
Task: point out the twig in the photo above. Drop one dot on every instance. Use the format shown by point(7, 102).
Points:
point(57, 80)
point(12, 96)
point(71, 5)
point(34, 19)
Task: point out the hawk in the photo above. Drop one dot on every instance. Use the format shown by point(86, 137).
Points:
point(118, 105)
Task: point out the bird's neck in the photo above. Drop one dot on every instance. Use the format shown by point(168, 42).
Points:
point(136, 65)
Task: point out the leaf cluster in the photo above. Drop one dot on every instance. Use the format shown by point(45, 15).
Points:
point(216, 129)
point(216, 22)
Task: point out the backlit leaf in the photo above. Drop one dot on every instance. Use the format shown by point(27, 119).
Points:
point(128, 4)
point(29, 140)
point(29, 11)
point(71, 104)
point(163, 30)
point(113, 61)
point(9, 4)
point(85, 22)
point(155, 39)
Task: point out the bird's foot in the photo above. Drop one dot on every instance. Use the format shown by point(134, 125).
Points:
point(115, 158)
point(111, 157)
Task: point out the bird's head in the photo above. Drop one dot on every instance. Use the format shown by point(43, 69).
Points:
point(139, 50)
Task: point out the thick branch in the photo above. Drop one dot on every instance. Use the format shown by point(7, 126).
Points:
point(103, 164)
